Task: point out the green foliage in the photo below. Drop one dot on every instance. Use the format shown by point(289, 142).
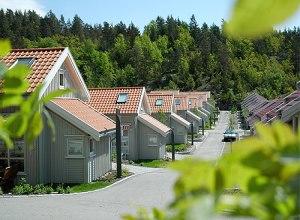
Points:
point(170, 54)
point(260, 178)
point(178, 147)
point(233, 121)
point(162, 117)
point(23, 188)
point(252, 18)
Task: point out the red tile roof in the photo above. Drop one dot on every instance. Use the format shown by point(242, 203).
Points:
point(165, 92)
point(183, 102)
point(105, 99)
point(85, 113)
point(44, 60)
point(167, 105)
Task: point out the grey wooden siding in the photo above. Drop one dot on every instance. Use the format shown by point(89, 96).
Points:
point(132, 136)
point(180, 132)
point(62, 169)
point(150, 152)
point(102, 157)
point(69, 83)
point(30, 163)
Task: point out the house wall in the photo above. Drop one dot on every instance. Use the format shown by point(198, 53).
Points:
point(146, 151)
point(56, 167)
point(132, 134)
point(180, 132)
point(196, 123)
point(69, 83)
point(102, 158)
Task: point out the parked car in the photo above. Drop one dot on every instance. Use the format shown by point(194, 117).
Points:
point(230, 135)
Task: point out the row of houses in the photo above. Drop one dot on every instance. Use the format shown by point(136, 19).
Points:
point(285, 108)
point(84, 121)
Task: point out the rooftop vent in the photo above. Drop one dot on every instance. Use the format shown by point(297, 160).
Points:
point(28, 61)
point(177, 102)
point(159, 102)
point(122, 98)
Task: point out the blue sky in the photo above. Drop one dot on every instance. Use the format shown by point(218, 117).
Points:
point(140, 12)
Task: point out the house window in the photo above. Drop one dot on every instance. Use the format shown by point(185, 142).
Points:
point(190, 102)
point(177, 102)
point(92, 147)
point(12, 157)
point(28, 61)
point(61, 79)
point(159, 102)
point(122, 98)
point(75, 147)
point(152, 140)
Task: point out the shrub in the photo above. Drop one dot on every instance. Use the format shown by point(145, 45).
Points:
point(49, 189)
point(22, 189)
point(178, 147)
point(60, 189)
point(67, 190)
point(39, 189)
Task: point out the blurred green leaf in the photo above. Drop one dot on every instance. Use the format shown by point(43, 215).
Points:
point(7, 100)
point(34, 128)
point(252, 18)
point(4, 47)
point(4, 136)
point(55, 94)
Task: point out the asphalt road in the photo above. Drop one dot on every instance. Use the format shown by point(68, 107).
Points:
point(150, 188)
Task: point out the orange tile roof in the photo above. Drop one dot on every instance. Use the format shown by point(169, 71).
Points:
point(44, 60)
point(105, 99)
point(165, 107)
point(85, 113)
point(183, 102)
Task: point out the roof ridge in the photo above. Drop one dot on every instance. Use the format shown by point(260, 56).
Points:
point(114, 88)
point(39, 49)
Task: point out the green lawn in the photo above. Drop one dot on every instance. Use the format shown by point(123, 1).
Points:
point(107, 180)
point(178, 147)
point(153, 163)
point(85, 187)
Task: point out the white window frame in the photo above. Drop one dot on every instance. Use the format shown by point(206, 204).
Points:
point(61, 73)
point(75, 139)
point(152, 144)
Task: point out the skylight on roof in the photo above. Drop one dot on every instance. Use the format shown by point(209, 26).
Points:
point(177, 101)
point(122, 98)
point(28, 61)
point(159, 102)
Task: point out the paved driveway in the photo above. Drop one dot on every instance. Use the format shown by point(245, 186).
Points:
point(150, 188)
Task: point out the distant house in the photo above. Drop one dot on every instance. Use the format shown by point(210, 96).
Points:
point(80, 151)
point(286, 109)
point(182, 109)
point(163, 109)
point(143, 137)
